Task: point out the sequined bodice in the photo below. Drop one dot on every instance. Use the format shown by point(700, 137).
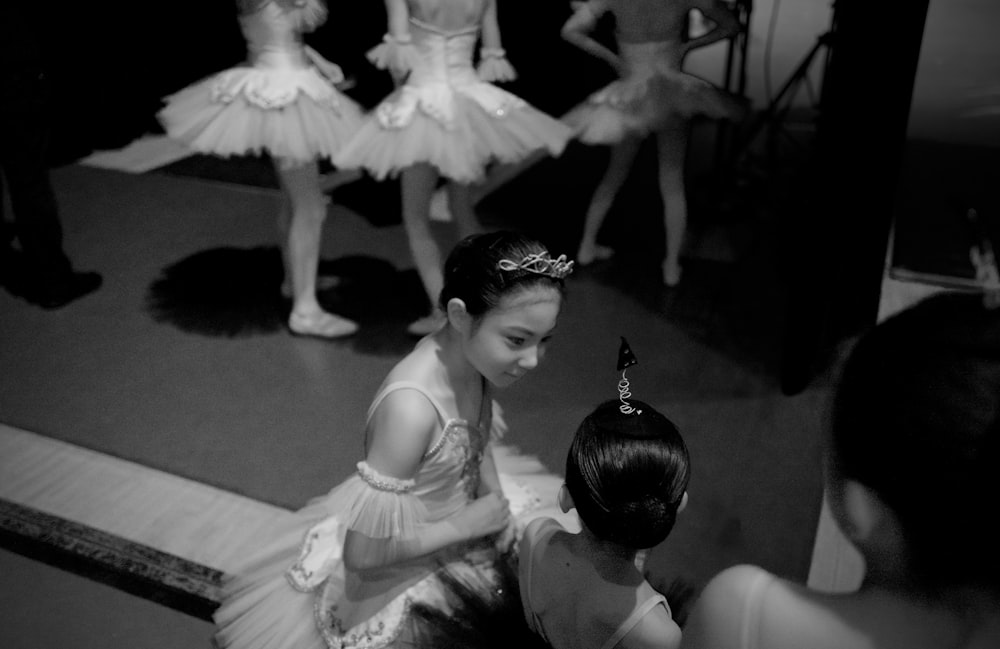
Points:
point(445, 56)
point(449, 476)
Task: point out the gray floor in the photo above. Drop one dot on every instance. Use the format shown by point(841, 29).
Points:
point(278, 418)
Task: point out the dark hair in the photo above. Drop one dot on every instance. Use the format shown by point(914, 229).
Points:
point(916, 418)
point(472, 274)
point(627, 474)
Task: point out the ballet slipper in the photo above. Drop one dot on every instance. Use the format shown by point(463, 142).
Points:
point(671, 274)
point(589, 254)
point(320, 324)
point(426, 325)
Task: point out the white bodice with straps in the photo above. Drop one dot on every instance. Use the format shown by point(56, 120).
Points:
point(441, 70)
point(382, 506)
point(279, 63)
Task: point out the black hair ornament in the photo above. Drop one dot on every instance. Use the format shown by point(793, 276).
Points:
point(626, 358)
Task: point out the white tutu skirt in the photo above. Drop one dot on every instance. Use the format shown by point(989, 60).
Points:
point(460, 148)
point(638, 106)
point(290, 113)
point(262, 610)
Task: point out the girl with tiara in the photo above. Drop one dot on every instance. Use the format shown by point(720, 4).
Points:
point(445, 119)
point(349, 567)
point(652, 96)
point(580, 581)
point(911, 478)
point(283, 102)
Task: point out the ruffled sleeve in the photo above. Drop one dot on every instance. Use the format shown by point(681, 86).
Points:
point(394, 55)
point(377, 506)
point(496, 68)
point(384, 506)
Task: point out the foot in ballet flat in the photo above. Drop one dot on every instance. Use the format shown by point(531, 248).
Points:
point(671, 274)
point(320, 324)
point(588, 254)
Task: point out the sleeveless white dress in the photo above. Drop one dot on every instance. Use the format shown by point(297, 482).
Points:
point(653, 89)
point(281, 102)
point(295, 592)
point(446, 115)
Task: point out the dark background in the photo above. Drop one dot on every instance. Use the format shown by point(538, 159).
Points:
point(111, 63)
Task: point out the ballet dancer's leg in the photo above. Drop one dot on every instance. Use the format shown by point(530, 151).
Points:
point(671, 145)
point(462, 203)
point(418, 183)
point(284, 227)
point(620, 163)
point(307, 203)
point(323, 282)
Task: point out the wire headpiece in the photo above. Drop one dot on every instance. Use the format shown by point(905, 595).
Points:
point(540, 263)
point(626, 358)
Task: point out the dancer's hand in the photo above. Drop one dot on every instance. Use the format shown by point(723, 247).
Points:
point(484, 516)
point(331, 71)
point(327, 68)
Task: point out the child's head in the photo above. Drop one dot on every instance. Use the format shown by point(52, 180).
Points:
point(503, 293)
point(627, 474)
point(473, 272)
point(916, 421)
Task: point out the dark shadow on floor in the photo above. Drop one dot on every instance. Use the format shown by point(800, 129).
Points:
point(230, 292)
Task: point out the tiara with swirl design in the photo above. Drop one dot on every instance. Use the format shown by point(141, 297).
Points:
point(540, 263)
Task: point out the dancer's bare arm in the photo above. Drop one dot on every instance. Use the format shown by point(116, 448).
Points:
point(578, 28)
point(724, 18)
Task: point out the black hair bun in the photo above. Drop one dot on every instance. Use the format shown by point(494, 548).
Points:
point(642, 523)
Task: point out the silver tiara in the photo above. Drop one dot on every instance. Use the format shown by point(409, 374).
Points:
point(540, 263)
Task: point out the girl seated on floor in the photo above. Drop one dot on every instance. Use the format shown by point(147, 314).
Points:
point(345, 570)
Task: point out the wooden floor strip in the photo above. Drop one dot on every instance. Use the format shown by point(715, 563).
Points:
point(168, 513)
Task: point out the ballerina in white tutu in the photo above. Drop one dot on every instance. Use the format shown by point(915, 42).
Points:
point(282, 102)
point(445, 119)
point(652, 96)
point(347, 569)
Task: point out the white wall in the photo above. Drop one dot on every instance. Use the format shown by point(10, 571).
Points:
point(796, 26)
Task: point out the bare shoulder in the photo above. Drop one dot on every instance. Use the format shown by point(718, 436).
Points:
point(405, 409)
point(533, 529)
point(400, 431)
point(735, 582)
point(717, 617)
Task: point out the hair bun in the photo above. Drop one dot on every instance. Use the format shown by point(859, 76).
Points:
point(643, 522)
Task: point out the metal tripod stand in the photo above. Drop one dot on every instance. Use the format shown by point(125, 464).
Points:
point(774, 117)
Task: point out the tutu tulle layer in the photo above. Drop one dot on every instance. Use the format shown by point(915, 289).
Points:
point(637, 107)
point(653, 92)
point(265, 607)
point(293, 114)
point(260, 609)
point(460, 148)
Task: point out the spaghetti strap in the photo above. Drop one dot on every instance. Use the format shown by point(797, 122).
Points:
point(546, 529)
point(411, 385)
point(634, 618)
